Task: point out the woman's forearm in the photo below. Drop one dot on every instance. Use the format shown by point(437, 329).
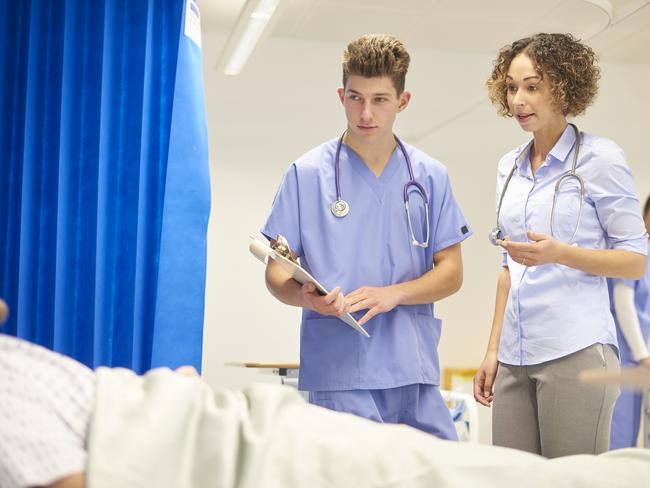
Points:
point(613, 263)
point(503, 290)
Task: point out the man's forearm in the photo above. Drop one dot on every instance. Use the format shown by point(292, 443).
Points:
point(443, 280)
point(282, 286)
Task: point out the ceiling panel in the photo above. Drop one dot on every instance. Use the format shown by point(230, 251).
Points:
point(455, 25)
point(219, 16)
point(466, 26)
point(581, 18)
point(627, 40)
point(327, 20)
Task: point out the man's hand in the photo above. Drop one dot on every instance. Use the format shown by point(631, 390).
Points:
point(334, 303)
point(374, 299)
point(645, 362)
point(542, 249)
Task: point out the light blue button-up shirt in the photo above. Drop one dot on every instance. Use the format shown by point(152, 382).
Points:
point(370, 246)
point(554, 310)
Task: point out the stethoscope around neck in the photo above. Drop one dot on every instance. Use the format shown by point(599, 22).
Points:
point(340, 208)
point(497, 232)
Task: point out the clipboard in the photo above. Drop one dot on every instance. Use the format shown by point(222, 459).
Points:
point(263, 252)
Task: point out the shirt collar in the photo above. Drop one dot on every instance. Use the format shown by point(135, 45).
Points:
point(564, 145)
point(559, 152)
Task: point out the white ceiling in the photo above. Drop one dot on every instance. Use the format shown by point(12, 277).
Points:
point(619, 30)
point(296, 66)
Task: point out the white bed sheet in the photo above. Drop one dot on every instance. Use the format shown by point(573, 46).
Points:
point(164, 430)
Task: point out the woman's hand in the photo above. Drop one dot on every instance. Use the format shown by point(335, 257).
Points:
point(541, 249)
point(484, 380)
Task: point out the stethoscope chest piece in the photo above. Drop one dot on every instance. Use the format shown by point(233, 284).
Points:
point(496, 235)
point(340, 208)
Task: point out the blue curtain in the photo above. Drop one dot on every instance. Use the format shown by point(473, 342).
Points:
point(104, 185)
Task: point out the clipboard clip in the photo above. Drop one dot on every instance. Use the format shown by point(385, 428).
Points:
point(281, 246)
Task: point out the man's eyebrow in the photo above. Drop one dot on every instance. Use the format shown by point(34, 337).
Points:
point(380, 94)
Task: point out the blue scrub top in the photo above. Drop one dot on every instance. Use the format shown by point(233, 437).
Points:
point(370, 246)
point(642, 304)
point(554, 310)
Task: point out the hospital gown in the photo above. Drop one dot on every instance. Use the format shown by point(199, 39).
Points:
point(46, 401)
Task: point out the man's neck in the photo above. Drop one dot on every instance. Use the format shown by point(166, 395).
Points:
point(375, 155)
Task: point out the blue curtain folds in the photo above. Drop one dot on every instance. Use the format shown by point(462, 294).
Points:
point(104, 185)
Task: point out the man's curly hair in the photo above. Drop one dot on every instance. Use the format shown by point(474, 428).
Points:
point(569, 65)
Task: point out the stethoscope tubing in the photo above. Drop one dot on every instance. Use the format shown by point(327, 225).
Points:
point(571, 174)
point(411, 183)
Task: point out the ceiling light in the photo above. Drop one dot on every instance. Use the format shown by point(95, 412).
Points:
point(248, 30)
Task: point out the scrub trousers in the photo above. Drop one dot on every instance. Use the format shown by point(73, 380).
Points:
point(418, 405)
point(545, 409)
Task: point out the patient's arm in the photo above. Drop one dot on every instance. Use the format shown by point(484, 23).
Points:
point(75, 481)
point(187, 371)
point(4, 311)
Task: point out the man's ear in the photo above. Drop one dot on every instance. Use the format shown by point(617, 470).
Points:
point(404, 100)
point(341, 92)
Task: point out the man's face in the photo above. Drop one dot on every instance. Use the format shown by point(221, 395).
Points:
point(371, 105)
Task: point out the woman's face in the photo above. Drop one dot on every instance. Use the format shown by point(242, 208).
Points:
point(529, 96)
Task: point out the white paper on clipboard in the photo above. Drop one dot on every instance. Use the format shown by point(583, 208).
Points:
point(262, 252)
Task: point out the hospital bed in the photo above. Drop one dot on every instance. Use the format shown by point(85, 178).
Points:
point(462, 406)
point(168, 431)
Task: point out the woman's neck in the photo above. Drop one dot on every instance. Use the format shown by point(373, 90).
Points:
point(544, 140)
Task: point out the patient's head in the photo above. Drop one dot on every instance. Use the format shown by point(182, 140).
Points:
point(4, 311)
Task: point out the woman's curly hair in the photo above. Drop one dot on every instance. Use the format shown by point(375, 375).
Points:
point(569, 65)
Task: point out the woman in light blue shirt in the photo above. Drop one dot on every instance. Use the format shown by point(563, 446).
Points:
point(552, 316)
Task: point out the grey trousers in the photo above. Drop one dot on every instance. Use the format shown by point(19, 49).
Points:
point(544, 409)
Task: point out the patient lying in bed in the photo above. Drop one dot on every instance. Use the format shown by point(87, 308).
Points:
point(65, 426)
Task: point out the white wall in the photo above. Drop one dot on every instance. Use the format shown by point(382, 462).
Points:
point(261, 120)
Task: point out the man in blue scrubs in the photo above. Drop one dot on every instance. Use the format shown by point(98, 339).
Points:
point(378, 267)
